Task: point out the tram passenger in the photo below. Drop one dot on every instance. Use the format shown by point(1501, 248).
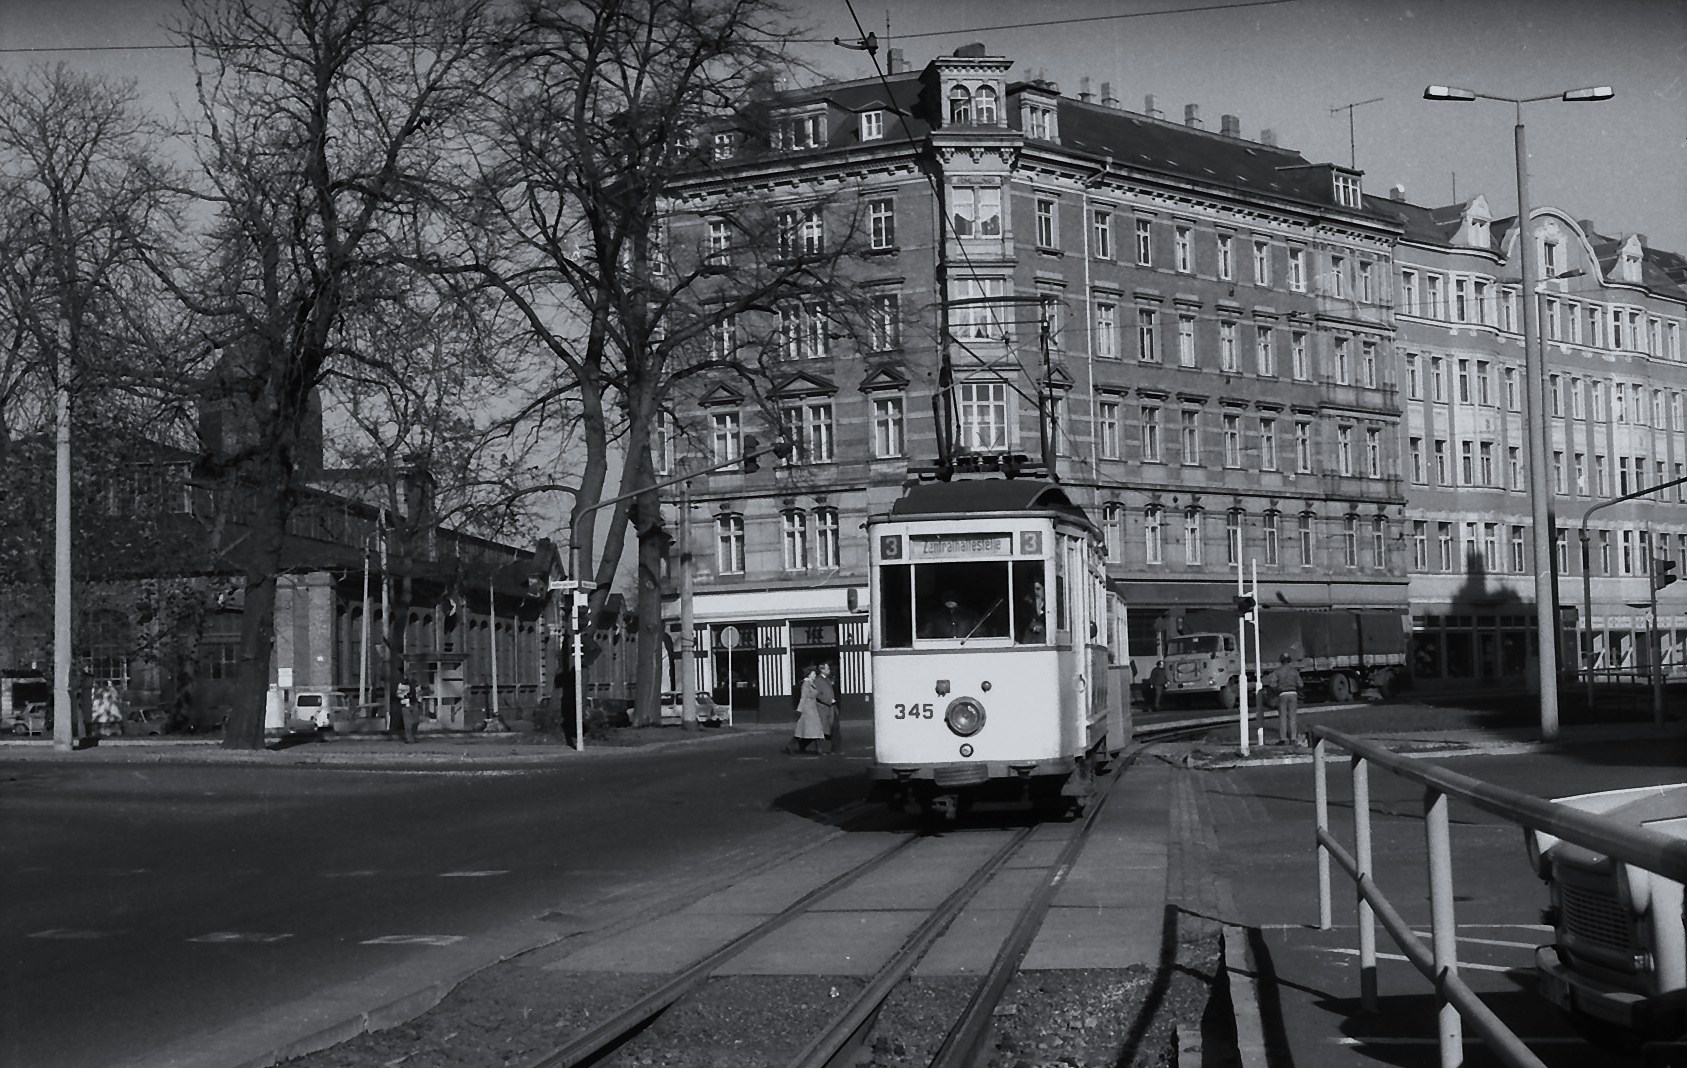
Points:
point(949, 618)
point(1033, 629)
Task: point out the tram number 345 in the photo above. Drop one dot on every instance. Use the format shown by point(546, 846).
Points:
point(917, 711)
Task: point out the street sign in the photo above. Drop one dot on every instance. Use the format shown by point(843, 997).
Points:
point(570, 585)
point(729, 637)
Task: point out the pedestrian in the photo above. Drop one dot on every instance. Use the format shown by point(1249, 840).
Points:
point(810, 727)
point(826, 696)
point(1157, 685)
point(410, 697)
point(1286, 681)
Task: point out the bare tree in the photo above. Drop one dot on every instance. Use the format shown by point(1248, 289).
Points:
point(600, 119)
point(324, 124)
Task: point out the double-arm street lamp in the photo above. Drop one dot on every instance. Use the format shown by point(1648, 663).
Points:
point(1540, 484)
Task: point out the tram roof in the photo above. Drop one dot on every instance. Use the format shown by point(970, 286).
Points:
point(975, 496)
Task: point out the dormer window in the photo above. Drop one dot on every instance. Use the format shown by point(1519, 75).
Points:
point(960, 106)
point(725, 146)
point(802, 131)
point(872, 125)
point(1628, 263)
point(984, 106)
point(1347, 191)
point(1039, 121)
point(1479, 233)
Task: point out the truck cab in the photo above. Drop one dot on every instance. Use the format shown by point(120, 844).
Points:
point(1618, 964)
point(1203, 665)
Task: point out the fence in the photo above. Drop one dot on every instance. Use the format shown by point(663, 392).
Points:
point(1438, 962)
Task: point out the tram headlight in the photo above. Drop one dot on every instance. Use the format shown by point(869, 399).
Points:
point(964, 716)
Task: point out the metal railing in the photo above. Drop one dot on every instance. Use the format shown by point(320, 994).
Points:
point(1438, 961)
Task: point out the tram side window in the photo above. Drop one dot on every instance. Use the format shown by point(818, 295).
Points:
point(961, 600)
point(896, 608)
point(1031, 606)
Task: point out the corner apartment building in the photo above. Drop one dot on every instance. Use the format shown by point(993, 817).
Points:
point(1610, 322)
point(1208, 318)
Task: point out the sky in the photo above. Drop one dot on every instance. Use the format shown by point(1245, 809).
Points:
point(1286, 65)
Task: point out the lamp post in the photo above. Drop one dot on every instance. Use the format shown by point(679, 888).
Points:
point(1540, 485)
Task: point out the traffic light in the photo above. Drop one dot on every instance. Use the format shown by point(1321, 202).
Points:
point(750, 454)
point(1661, 573)
point(1244, 605)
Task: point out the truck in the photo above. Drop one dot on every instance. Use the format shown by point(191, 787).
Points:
point(1617, 967)
point(1340, 652)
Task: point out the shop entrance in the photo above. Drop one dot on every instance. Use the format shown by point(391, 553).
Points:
point(734, 660)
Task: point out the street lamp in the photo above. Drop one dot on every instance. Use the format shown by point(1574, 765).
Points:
point(1540, 486)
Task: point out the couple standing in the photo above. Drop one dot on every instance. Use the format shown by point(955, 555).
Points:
point(817, 712)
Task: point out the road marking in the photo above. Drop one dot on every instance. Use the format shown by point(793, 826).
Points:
point(229, 937)
point(473, 874)
point(350, 874)
point(414, 940)
point(1463, 965)
point(66, 934)
point(1485, 941)
point(1380, 1040)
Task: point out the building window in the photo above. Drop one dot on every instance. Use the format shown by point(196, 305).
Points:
point(1433, 308)
point(1153, 550)
point(960, 106)
point(1518, 558)
point(1368, 364)
point(1420, 545)
point(1304, 536)
point(723, 337)
point(1144, 242)
point(1350, 540)
point(1039, 122)
point(1107, 416)
point(1414, 376)
point(729, 544)
point(1347, 190)
point(1182, 254)
point(1101, 234)
point(1303, 445)
point(725, 145)
point(884, 325)
point(1192, 535)
point(1437, 379)
point(1344, 450)
point(887, 427)
point(1269, 529)
point(1227, 360)
point(803, 330)
point(1226, 264)
point(808, 426)
point(1338, 277)
point(1344, 373)
point(1414, 449)
point(983, 412)
point(1444, 545)
point(1267, 444)
point(720, 243)
point(1186, 341)
point(1150, 432)
point(1106, 330)
point(977, 321)
point(801, 131)
point(728, 439)
point(1367, 282)
point(1148, 351)
point(872, 125)
point(826, 538)
point(1232, 440)
point(1297, 269)
point(1491, 547)
point(984, 106)
point(978, 210)
point(881, 223)
point(1373, 452)
point(1046, 230)
point(1299, 357)
point(1513, 402)
point(796, 541)
point(1441, 478)
point(1485, 463)
point(1189, 435)
point(1264, 357)
point(1113, 529)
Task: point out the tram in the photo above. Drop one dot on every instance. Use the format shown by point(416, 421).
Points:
point(994, 648)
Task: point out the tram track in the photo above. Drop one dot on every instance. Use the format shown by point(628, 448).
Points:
point(841, 1036)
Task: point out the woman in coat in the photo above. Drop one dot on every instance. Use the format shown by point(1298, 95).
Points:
point(811, 727)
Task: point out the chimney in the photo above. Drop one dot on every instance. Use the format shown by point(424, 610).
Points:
point(1398, 193)
point(1108, 100)
point(1230, 126)
point(1149, 109)
point(1192, 115)
point(1084, 93)
point(1268, 137)
point(895, 63)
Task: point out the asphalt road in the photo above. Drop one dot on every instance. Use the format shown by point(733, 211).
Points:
point(144, 907)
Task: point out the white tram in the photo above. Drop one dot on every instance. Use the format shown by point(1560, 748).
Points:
point(992, 647)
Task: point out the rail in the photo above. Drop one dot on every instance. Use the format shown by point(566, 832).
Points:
point(1438, 962)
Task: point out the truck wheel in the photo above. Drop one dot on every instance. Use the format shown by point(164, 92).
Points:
point(1227, 696)
point(1387, 685)
point(1341, 688)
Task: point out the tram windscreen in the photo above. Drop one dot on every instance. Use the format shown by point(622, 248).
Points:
point(962, 600)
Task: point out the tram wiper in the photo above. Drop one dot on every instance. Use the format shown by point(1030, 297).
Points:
point(988, 612)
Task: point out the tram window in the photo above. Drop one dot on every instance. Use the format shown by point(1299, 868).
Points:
point(1061, 624)
point(896, 608)
point(961, 600)
point(1030, 603)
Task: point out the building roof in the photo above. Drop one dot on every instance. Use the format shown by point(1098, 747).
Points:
point(1429, 226)
point(975, 496)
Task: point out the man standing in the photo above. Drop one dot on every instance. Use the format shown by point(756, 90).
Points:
point(1157, 685)
point(826, 694)
point(1286, 681)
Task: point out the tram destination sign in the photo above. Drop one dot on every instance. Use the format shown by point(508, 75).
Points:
point(961, 544)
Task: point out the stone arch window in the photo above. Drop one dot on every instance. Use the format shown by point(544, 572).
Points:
point(960, 106)
point(984, 106)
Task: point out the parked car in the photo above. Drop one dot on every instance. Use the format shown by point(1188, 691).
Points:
point(33, 718)
point(142, 722)
point(315, 710)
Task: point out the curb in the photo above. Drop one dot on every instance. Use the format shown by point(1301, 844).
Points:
point(1242, 973)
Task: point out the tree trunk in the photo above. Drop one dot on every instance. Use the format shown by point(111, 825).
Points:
point(245, 727)
point(647, 693)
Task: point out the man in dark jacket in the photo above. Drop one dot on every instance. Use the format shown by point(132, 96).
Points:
point(1286, 681)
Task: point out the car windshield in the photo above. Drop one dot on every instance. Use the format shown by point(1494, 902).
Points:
point(308, 700)
point(1193, 644)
